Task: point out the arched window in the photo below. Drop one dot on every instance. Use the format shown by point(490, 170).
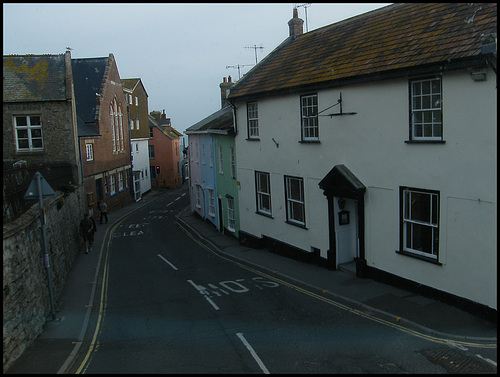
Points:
point(111, 113)
point(120, 120)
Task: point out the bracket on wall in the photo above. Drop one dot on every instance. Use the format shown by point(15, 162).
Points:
point(339, 102)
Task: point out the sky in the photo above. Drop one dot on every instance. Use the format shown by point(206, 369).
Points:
point(180, 51)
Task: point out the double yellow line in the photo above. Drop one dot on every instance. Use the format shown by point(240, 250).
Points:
point(94, 345)
point(360, 313)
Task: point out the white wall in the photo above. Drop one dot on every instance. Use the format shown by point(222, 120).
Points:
point(141, 162)
point(371, 144)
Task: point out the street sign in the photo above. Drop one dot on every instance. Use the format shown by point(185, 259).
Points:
point(32, 193)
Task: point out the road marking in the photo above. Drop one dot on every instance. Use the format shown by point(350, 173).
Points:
point(487, 360)
point(171, 265)
point(176, 199)
point(252, 352)
point(169, 204)
point(487, 344)
point(203, 294)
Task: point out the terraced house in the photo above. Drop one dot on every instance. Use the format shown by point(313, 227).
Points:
point(372, 142)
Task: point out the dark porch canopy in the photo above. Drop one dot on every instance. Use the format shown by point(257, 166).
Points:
point(341, 182)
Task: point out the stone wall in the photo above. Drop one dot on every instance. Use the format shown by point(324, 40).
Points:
point(26, 300)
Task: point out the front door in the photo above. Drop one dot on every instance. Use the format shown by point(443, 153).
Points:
point(346, 229)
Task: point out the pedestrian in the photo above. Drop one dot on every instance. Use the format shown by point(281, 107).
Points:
point(87, 230)
point(103, 208)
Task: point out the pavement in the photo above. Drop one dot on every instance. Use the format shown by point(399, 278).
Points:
point(54, 351)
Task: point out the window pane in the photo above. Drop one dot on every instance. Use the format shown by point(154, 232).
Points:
point(420, 207)
point(418, 130)
point(422, 238)
point(36, 133)
point(22, 134)
point(35, 120)
point(434, 209)
point(436, 86)
point(21, 121)
point(416, 88)
point(23, 144)
point(297, 211)
point(417, 103)
point(37, 143)
point(426, 87)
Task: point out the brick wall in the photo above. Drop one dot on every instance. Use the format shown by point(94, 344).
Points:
point(26, 302)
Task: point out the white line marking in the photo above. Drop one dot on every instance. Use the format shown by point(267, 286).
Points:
point(203, 293)
point(176, 199)
point(171, 265)
point(183, 194)
point(487, 360)
point(257, 358)
point(169, 204)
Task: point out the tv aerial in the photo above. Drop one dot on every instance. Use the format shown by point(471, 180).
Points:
point(255, 47)
point(306, 5)
point(238, 66)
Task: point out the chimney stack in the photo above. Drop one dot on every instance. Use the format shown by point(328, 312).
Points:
point(163, 116)
point(296, 24)
point(225, 89)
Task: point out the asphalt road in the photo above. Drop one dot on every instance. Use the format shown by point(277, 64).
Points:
point(168, 304)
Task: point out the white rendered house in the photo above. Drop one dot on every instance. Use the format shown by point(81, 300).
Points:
point(376, 144)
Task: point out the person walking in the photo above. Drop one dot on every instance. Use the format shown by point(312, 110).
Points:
point(103, 208)
point(87, 230)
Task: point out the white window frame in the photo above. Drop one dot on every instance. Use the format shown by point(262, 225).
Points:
point(414, 203)
point(131, 124)
point(426, 112)
point(198, 196)
point(253, 120)
point(211, 202)
point(221, 161)
point(29, 129)
point(231, 222)
point(137, 124)
point(211, 156)
point(232, 160)
point(89, 147)
point(309, 117)
point(263, 192)
point(112, 184)
point(295, 202)
point(136, 101)
point(112, 120)
point(120, 181)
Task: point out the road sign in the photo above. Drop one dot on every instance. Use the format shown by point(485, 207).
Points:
point(32, 193)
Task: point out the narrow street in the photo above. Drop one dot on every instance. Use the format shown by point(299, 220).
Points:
point(169, 305)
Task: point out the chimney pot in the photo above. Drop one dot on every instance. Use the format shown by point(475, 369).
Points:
point(229, 79)
point(224, 79)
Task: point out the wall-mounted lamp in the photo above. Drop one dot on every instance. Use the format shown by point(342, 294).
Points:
point(478, 76)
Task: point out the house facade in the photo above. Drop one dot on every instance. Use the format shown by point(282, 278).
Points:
point(212, 167)
point(103, 133)
point(38, 112)
point(354, 145)
point(137, 108)
point(164, 153)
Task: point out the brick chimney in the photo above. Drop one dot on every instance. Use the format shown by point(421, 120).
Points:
point(225, 89)
point(296, 24)
point(163, 116)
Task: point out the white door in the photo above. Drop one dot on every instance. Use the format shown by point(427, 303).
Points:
point(346, 229)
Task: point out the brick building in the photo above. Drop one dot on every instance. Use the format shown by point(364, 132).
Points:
point(164, 151)
point(103, 132)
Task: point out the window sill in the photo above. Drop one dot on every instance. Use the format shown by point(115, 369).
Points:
point(309, 142)
point(252, 139)
point(296, 224)
point(425, 142)
point(416, 256)
point(265, 214)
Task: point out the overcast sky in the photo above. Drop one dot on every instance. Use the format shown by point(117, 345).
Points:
point(180, 51)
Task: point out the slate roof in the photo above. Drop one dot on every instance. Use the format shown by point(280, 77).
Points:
point(170, 132)
point(132, 83)
point(34, 78)
point(396, 37)
point(88, 77)
point(220, 122)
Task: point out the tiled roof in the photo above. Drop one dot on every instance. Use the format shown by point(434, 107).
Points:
point(219, 122)
point(396, 37)
point(34, 78)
